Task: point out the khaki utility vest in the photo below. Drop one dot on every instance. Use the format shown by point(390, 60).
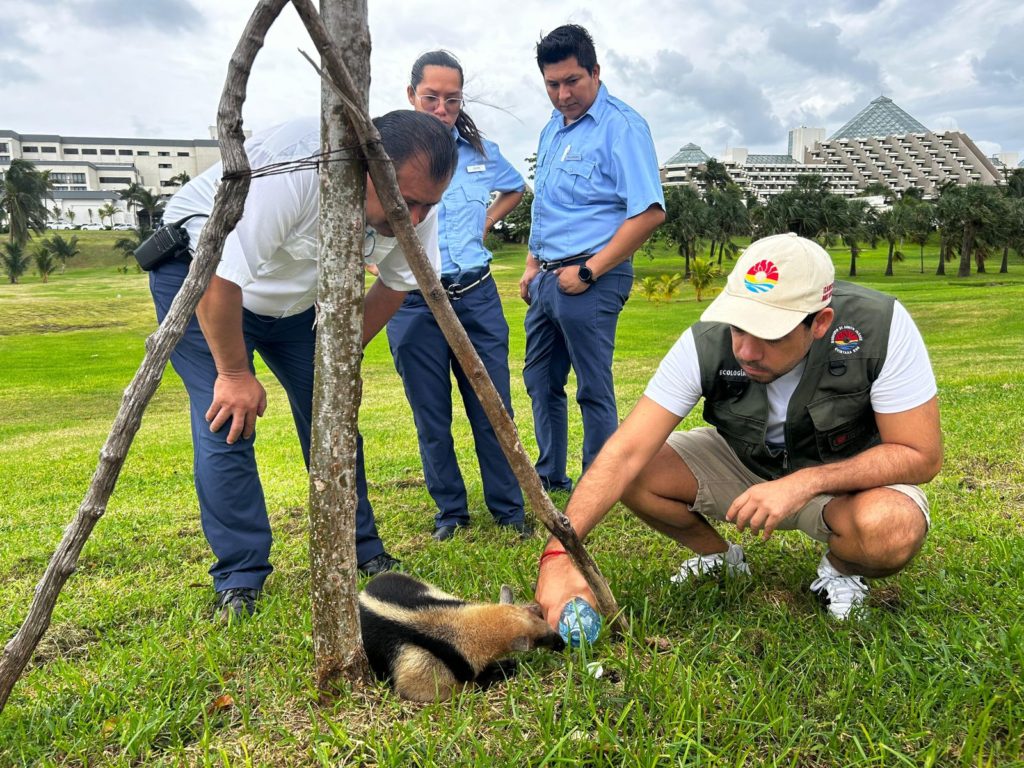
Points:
point(829, 416)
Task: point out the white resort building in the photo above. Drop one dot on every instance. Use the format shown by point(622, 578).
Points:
point(882, 144)
point(88, 172)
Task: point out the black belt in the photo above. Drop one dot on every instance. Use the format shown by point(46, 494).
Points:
point(547, 266)
point(459, 285)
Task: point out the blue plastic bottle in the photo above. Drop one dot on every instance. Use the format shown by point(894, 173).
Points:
point(579, 623)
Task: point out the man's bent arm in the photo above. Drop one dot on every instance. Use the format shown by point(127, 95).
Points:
point(379, 305)
point(626, 453)
point(910, 452)
point(237, 395)
point(630, 235)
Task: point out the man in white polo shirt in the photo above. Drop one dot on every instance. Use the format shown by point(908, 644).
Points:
point(262, 299)
point(825, 418)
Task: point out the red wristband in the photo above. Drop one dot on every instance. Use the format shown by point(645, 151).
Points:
point(550, 553)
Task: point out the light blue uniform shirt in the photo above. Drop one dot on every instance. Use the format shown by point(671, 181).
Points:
point(463, 207)
point(591, 176)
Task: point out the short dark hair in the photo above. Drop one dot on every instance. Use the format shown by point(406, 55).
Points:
point(808, 321)
point(569, 40)
point(406, 134)
point(442, 58)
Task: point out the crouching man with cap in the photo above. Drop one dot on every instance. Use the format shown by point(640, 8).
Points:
point(824, 418)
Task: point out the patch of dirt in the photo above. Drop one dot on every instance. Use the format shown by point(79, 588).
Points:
point(66, 642)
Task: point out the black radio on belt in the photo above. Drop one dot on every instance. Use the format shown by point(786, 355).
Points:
point(168, 242)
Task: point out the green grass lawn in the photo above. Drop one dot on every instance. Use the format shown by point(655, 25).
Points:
point(132, 672)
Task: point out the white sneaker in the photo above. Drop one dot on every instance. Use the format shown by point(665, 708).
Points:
point(840, 593)
point(733, 560)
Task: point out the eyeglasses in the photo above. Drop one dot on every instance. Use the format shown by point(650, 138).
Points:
point(430, 102)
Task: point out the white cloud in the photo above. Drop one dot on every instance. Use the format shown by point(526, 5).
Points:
point(735, 73)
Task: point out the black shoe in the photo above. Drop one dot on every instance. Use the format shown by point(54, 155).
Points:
point(379, 564)
point(524, 529)
point(235, 602)
point(445, 532)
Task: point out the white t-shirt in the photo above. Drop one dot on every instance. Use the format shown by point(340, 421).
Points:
point(905, 381)
point(272, 253)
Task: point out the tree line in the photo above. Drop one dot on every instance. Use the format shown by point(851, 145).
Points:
point(973, 222)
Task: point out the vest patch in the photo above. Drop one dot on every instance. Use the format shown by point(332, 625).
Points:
point(761, 277)
point(846, 339)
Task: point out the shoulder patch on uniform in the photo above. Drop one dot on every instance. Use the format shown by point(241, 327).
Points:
point(846, 339)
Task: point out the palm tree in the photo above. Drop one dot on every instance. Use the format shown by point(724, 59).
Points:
point(15, 261)
point(949, 214)
point(893, 226)
point(69, 214)
point(130, 195)
point(833, 213)
point(773, 218)
point(129, 244)
point(1014, 224)
point(23, 198)
point(713, 174)
point(668, 284)
point(1015, 183)
point(650, 288)
point(45, 263)
point(981, 213)
point(685, 221)
point(920, 222)
point(107, 211)
point(852, 226)
point(727, 218)
point(151, 204)
point(703, 275)
point(62, 250)
point(181, 179)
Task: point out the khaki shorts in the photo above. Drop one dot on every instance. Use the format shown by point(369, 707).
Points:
point(721, 477)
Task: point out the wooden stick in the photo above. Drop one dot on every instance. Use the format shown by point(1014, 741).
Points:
point(227, 210)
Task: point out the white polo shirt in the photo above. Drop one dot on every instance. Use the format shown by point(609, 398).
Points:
point(272, 253)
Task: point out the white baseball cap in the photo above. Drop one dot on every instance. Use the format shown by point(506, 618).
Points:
point(776, 283)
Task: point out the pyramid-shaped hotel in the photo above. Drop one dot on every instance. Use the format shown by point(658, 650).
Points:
point(882, 144)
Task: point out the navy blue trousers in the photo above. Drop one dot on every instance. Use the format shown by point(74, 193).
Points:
point(232, 508)
point(578, 330)
point(426, 364)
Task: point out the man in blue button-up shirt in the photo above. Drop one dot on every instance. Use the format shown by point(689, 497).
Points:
point(598, 197)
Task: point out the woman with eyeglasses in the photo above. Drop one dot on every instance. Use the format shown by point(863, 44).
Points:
point(422, 356)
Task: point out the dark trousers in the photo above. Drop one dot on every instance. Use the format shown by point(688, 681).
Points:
point(232, 508)
point(426, 364)
point(577, 331)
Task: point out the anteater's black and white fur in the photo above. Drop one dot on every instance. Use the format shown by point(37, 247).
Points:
point(430, 645)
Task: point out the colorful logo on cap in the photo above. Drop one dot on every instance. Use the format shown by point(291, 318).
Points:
point(846, 339)
point(761, 277)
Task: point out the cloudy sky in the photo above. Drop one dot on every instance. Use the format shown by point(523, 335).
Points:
point(724, 74)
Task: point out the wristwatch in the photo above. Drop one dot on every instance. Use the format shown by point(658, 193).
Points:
point(586, 274)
